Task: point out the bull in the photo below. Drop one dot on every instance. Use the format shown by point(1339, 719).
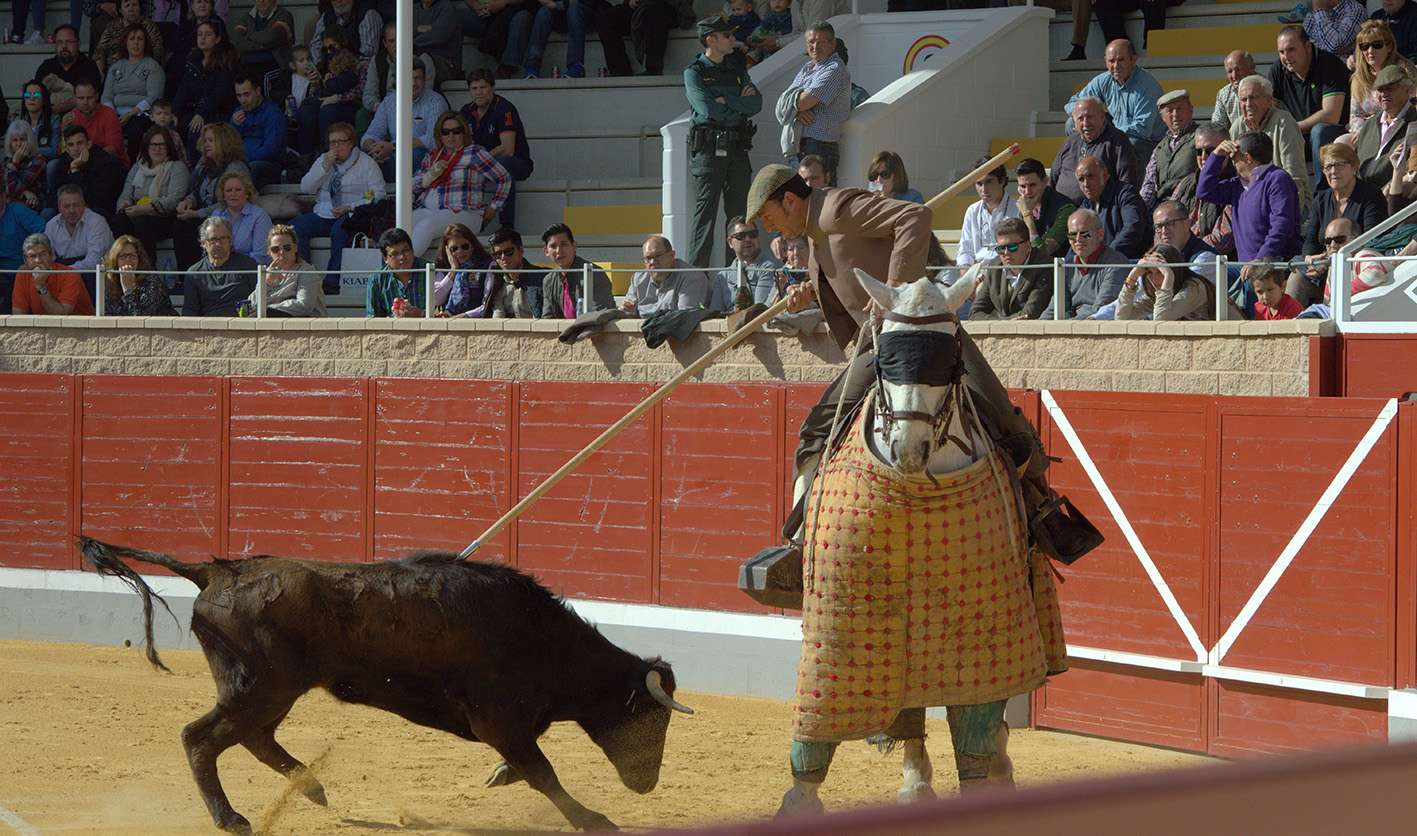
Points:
point(476, 649)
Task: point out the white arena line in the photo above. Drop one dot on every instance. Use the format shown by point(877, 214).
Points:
point(17, 823)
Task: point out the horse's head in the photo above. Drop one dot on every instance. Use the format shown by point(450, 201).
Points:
point(915, 362)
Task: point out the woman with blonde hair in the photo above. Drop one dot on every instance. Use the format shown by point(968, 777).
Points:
point(250, 224)
point(221, 153)
point(447, 188)
point(130, 288)
point(1373, 49)
point(888, 169)
point(24, 165)
point(293, 286)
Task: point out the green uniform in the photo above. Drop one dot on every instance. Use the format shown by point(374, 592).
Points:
point(718, 144)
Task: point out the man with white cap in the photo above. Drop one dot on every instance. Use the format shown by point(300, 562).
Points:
point(1175, 154)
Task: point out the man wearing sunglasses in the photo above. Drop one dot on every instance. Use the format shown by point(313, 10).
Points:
point(759, 268)
point(1094, 272)
point(1018, 280)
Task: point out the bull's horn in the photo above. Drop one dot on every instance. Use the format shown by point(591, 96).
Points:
point(657, 691)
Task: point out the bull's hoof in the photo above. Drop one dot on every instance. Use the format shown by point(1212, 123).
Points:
point(235, 823)
point(801, 800)
point(502, 775)
point(918, 791)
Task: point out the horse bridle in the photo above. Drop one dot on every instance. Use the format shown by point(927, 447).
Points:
point(939, 421)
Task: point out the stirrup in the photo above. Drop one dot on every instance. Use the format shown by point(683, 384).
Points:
point(773, 577)
point(1062, 532)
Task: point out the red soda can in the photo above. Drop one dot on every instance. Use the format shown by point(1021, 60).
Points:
point(399, 307)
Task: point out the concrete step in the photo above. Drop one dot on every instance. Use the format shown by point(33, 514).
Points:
point(1188, 16)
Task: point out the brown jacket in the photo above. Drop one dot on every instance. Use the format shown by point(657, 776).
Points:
point(851, 228)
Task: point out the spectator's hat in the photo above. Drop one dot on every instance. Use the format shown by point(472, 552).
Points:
point(1391, 74)
point(768, 180)
point(1173, 96)
point(717, 23)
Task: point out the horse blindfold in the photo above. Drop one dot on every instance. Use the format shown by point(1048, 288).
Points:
point(918, 357)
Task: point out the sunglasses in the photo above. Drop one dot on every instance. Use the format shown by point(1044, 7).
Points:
point(1007, 248)
point(499, 254)
point(452, 131)
point(1371, 45)
point(282, 248)
point(1204, 152)
point(457, 248)
point(1337, 239)
point(34, 96)
point(745, 234)
point(1080, 236)
point(879, 175)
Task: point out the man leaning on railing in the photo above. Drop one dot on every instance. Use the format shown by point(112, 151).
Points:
point(222, 278)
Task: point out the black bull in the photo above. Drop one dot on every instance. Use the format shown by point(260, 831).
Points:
point(475, 649)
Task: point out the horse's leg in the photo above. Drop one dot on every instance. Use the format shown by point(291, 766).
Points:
point(908, 729)
point(810, 762)
point(1001, 769)
point(975, 731)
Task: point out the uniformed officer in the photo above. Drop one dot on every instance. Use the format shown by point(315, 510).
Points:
point(721, 98)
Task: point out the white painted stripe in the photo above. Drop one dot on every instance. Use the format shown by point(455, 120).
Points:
point(1224, 672)
point(1135, 660)
point(55, 580)
point(1286, 557)
point(1152, 572)
point(17, 823)
point(1402, 704)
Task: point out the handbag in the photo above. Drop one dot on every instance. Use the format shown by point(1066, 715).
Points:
point(361, 258)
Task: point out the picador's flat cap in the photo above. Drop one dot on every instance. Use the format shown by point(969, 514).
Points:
point(768, 180)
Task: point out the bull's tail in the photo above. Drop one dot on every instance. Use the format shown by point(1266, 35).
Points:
point(107, 560)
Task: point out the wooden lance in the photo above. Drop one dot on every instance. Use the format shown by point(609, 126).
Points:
point(614, 430)
point(968, 180)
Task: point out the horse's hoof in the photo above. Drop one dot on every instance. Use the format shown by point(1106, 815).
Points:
point(799, 801)
point(316, 793)
point(595, 821)
point(502, 775)
point(919, 791)
point(235, 823)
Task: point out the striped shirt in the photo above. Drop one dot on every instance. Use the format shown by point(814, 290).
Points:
point(830, 83)
point(460, 187)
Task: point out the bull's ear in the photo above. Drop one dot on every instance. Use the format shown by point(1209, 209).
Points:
point(883, 294)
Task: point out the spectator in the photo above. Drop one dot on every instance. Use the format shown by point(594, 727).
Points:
point(23, 167)
point(35, 112)
point(102, 14)
point(1094, 136)
point(437, 35)
point(1110, 12)
point(378, 141)
point(1266, 278)
point(490, 21)
point(156, 184)
point(647, 23)
point(741, 16)
point(1129, 94)
point(530, 31)
point(164, 118)
point(340, 78)
point(562, 291)
point(1019, 283)
point(1211, 222)
point(983, 216)
point(1124, 217)
point(47, 287)
point(1264, 197)
point(98, 173)
point(1094, 271)
point(401, 277)
point(17, 222)
point(1043, 210)
point(68, 65)
point(1082, 21)
point(519, 294)
point(497, 128)
point(1259, 113)
point(1239, 65)
point(130, 286)
point(652, 291)
point(1333, 24)
point(1350, 197)
point(221, 154)
point(98, 120)
point(813, 171)
point(112, 46)
point(207, 92)
point(886, 174)
point(1380, 136)
point(262, 128)
point(21, 9)
point(134, 82)
point(263, 36)
point(376, 81)
point(182, 37)
point(1366, 273)
point(340, 180)
point(824, 98)
point(461, 285)
point(292, 284)
point(78, 235)
point(1399, 16)
point(359, 20)
point(1175, 155)
point(1173, 229)
point(222, 278)
point(759, 268)
point(447, 188)
point(1313, 84)
point(1376, 49)
point(1155, 290)
point(250, 224)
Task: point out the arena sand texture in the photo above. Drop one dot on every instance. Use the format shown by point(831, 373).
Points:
point(89, 744)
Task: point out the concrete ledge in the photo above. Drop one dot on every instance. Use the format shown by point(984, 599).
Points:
point(1200, 358)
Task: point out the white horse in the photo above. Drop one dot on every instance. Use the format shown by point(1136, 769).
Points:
point(919, 427)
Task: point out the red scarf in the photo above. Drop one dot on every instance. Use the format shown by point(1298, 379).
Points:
point(447, 172)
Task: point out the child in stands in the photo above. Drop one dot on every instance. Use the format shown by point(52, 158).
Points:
point(775, 28)
point(163, 116)
point(1267, 279)
point(744, 20)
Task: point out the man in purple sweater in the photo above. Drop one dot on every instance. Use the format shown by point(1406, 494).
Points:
point(1266, 200)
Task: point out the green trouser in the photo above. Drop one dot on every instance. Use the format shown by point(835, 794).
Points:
point(728, 177)
point(974, 730)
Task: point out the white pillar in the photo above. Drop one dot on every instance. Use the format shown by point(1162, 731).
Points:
point(403, 127)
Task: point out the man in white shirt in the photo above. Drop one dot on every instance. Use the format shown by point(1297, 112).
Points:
point(80, 237)
point(651, 291)
point(976, 240)
point(342, 178)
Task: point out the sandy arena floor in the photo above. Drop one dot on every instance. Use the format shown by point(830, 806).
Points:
point(89, 745)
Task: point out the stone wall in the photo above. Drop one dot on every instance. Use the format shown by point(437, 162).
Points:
point(1239, 358)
